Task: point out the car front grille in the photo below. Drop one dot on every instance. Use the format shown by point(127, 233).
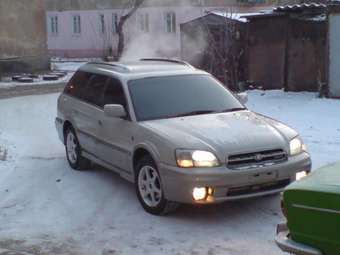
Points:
point(256, 159)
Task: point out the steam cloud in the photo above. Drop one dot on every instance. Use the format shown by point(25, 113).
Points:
point(153, 44)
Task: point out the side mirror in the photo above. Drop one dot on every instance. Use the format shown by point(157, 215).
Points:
point(114, 111)
point(243, 97)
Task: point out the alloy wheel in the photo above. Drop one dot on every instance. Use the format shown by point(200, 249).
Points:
point(149, 186)
point(71, 147)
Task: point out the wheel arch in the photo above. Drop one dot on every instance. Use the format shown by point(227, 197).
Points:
point(141, 151)
point(66, 126)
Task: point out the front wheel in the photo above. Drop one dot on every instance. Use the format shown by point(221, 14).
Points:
point(73, 151)
point(149, 188)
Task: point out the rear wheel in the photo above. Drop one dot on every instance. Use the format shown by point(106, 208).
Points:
point(73, 151)
point(149, 188)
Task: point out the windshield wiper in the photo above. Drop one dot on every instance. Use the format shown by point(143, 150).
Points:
point(235, 109)
point(199, 112)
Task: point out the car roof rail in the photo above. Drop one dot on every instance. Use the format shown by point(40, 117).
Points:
point(115, 65)
point(174, 61)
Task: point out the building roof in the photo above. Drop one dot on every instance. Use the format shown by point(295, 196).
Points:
point(218, 17)
point(241, 17)
point(300, 7)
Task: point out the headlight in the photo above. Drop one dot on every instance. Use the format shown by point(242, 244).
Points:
point(296, 146)
point(195, 158)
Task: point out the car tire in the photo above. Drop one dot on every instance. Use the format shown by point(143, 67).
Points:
point(149, 188)
point(73, 151)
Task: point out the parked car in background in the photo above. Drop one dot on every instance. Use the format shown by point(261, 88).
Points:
point(312, 209)
point(177, 133)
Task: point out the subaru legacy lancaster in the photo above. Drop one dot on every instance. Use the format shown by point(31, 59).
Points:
point(177, 133)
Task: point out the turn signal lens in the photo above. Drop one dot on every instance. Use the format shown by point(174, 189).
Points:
point(185, 163)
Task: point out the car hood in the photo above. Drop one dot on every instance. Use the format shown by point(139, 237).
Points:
point(227, 133)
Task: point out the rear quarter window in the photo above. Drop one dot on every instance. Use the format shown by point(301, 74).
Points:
point(77, 84)
point(94, 90)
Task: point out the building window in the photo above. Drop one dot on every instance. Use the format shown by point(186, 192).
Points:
point(76, 24)
point(53, 25)
point(114, 22)
point(144, 22)
point(170, 22)
point(102, 23)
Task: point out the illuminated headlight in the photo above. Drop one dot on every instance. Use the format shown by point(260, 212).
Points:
point(301, 175)
point(296, 146)
point(199, 194)
point(195, 158)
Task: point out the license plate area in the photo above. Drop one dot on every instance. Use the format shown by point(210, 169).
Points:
point(263, 176)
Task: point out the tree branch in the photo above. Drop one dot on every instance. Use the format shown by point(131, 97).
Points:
point(120, 27)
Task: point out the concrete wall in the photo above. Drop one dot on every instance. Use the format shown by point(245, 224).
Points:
point(22, 35)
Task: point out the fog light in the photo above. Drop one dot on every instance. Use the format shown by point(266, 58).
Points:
point(199, 193)
point(301, 175)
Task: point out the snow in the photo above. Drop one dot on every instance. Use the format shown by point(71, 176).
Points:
point(46, 208)
point(317, 120)
point(67, 66)
point(241, 17)
point(321, 17)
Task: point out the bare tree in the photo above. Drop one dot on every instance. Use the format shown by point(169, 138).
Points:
point(225, 50)
point(134, 5)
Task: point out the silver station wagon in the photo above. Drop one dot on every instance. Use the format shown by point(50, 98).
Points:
point(176, 133)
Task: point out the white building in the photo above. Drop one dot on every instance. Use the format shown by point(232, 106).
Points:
point(87, 28)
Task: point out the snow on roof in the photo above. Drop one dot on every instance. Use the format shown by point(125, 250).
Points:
point(299, 7)
point(321, 17)
point(241, 17)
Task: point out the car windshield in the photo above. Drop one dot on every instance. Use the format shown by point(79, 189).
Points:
point(176, 96)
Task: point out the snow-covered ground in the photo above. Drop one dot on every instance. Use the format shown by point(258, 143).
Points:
point(46, 208)
point(317, 120)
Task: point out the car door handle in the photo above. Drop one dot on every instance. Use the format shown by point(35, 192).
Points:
point(100, 123)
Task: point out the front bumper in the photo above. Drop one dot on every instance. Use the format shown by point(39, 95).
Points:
point(178, 183)
point(288, 245)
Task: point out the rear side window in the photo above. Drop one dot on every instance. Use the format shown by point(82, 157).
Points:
point(94, 90)
point(77, 84)
point(114, 93)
